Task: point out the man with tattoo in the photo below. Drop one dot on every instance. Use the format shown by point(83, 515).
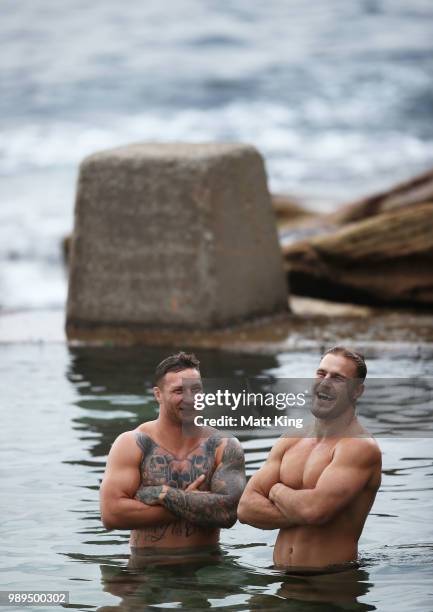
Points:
point(171, 489)
point(318, 489)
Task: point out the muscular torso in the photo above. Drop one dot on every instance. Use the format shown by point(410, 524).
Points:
point(159, 466)
point(331, 543)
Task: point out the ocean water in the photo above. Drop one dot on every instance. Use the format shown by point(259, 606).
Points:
point(336, 95)
point(62, 409)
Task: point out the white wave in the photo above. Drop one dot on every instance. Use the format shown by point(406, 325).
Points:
point(293, 155)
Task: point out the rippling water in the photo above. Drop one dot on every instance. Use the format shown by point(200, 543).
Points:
point(337, 95)
point(62, 409)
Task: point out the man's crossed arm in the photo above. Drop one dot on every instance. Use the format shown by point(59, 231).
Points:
point(255, 507)
point(214, 508)
point(123, 508)
point(354, 463)
point(269, 504)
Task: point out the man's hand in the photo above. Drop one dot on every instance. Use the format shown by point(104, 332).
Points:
point(151, 496)
point(275, 490)
point(194, 486)
point(278, 495)
point(256, 506)
point(217, 507)
point(355, 462)
point(154, 495)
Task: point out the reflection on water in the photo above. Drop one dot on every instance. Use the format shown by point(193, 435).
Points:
point(198, 584)
point(55, 448)
point(336, 589)
point(192, 581)
point(118, 383)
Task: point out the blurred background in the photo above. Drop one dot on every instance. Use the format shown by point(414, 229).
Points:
point(336, 95)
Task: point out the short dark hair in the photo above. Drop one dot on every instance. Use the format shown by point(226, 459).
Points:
point(355, 356)
point(175, 363)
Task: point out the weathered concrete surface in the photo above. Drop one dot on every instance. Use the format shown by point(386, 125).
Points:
point(386, 259)
point(173, 236)
point(288, 212)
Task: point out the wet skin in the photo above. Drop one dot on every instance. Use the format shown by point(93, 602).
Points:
point(172, 490)
point(318, 490)
point(199, 514)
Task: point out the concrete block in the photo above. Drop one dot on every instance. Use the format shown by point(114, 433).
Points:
point(178, 236)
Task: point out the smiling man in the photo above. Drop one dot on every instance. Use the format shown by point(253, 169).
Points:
point(174, 491)
point(318, 490)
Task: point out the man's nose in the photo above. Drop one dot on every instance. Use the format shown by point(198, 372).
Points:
point(188, 395)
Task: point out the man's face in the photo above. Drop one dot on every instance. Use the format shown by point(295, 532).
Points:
point(336, 387)
point(175, 394)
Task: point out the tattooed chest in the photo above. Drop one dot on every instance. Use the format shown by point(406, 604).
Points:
point(160, 467)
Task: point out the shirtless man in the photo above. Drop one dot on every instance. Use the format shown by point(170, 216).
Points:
point(318, 490)
point(173, 491)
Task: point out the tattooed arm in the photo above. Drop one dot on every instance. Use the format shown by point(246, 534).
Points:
point(119, 509)
point(214, 508)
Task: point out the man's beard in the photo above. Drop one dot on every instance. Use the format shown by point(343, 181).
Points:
point(328, 403)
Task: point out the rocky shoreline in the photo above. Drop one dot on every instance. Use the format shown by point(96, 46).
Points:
point(375, 251)
point(312, 326)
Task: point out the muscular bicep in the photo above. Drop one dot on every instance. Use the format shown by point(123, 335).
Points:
point(229, 477)
point(122, 474)
point(353, 467)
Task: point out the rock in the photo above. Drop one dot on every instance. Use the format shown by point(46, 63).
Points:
point(412, 193)
point(409, 193)
point(173, 236)
point(288, 208)
point(387, 259)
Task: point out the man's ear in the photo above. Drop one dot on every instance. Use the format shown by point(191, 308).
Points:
point(157, 394)
point(358, 391)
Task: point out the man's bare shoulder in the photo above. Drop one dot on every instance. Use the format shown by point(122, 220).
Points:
point(147, 428)
point(124, 453)
point(131, 444)
point(124, 440)
point(231, 450)
point(216, 442)
point(221, 446)
point(359, 450)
